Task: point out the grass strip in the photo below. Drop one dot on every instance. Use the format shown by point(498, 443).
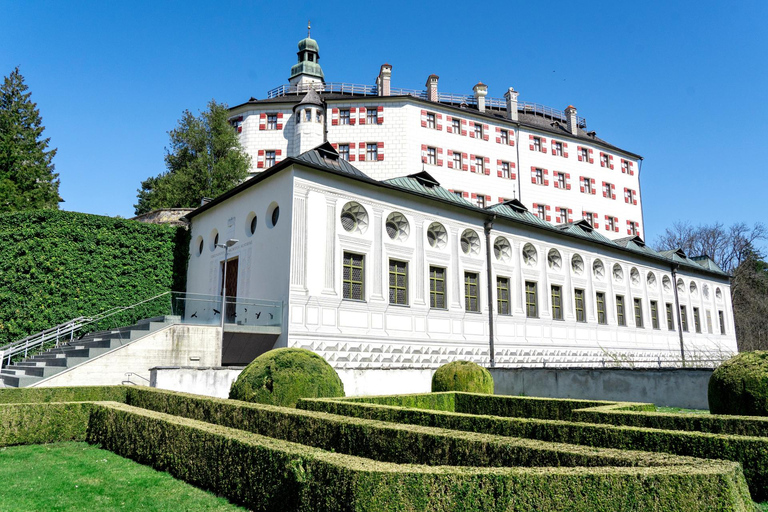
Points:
point(79, 477)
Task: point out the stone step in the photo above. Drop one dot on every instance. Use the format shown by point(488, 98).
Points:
point(18, 381)
point(77, 351)
point(38, 371)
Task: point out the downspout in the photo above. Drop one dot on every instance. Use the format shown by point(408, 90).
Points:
point(325, 127)
point(677, 306)
point(488, 226)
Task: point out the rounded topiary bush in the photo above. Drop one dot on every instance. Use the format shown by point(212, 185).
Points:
point(740, 385)
point(282, 376)
point(462, 376)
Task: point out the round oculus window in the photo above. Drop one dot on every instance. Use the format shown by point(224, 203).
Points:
point(275, 215)
point(354, 218)
point(554, 260)
point(501, 249)
point(397, 226)
point(437, 237)
point(470, 242)
point(577, 264)
point(598, 269)
point(530, 256)
point(254, 221)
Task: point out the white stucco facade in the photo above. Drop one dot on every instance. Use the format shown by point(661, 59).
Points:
point(514, 142)
point(300, 261)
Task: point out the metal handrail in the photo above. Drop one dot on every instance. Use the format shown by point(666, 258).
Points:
point(63, 330)
point(458, 99)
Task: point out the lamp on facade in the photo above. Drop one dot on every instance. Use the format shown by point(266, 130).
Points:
point(226, 245)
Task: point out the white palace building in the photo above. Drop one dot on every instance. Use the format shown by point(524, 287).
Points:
point(406, 229)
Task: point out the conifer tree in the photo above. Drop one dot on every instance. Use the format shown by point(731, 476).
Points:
point(205, 159)
point(27, 180)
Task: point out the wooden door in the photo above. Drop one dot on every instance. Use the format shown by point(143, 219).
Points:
point(231, 279)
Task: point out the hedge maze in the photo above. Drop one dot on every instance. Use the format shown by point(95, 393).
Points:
point(433, 452)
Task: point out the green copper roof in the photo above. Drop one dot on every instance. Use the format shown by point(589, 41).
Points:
point(412, 184)
point(308, 44)
point(308, 49)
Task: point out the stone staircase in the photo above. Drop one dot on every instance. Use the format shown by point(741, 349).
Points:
point(36, 368)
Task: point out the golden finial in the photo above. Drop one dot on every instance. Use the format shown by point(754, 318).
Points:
point(309, 26)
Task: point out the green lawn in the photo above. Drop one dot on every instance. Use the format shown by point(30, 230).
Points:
point(678, 410)
point(78, 476)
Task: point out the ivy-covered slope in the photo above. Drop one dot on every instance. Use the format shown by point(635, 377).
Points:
point(58, 265)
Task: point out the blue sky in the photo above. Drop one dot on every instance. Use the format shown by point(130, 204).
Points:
point(685, 84)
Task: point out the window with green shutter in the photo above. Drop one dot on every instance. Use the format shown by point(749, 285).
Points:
point(437, 287)
point(696, 320)
point(684, 318)
point(638, 312)
point(470, 292)
point(557, 303)
point(354, 276)
point(670, 317)
point(601, 316)
point(620, 318)
point(531, 302)
point(398, 282)
point(578, 299)
point(502, 296)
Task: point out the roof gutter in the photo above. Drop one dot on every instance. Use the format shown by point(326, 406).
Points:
point(484, 211)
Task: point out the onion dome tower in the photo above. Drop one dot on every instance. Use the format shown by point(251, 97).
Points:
point(307, 70)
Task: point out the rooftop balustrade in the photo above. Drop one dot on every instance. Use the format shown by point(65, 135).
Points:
point(450, 98)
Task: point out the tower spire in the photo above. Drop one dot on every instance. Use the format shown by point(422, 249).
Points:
point(309, 26)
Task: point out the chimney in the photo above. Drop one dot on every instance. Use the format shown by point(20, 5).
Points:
point(572, 119)
point(511, 97)
point(481, 91)
point(432, 87)
point(383, 80)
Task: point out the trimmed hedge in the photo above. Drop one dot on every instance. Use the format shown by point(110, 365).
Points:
point(516, 474)
point(622, 414)
point(62, 394)
point(751, 452)
point(43, 423)
point(462, 376)
point(59, 265)
point(266, 474)
point(382, 441)
point(282, 376)
point(740, 385)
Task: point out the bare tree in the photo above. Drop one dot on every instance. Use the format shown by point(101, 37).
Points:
point(735, 250)
point(728, 247)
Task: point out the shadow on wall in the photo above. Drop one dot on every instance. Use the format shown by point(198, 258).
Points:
point(239, 349)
